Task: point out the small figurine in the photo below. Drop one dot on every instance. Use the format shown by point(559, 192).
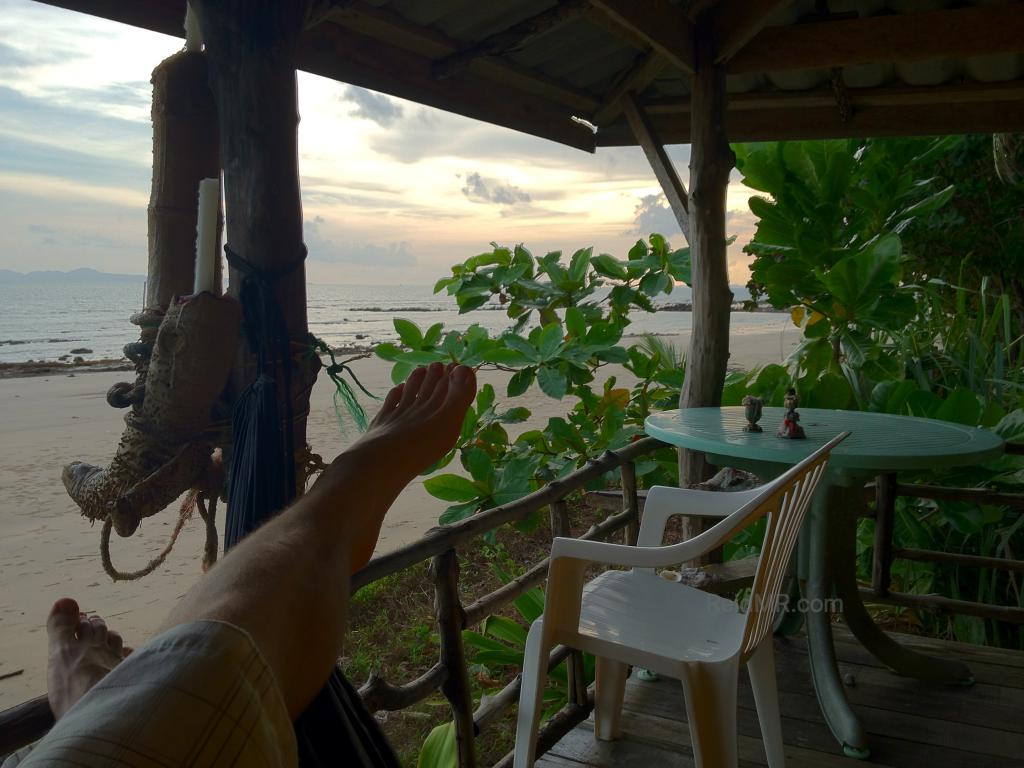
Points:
point(791, 429)
point(753, 407)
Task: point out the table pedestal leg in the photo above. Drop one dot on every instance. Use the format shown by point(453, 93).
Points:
point(822, 656)
point(844, 510)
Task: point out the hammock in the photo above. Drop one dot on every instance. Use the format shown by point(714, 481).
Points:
point(336, 729)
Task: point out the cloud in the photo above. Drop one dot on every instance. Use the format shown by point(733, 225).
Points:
point(74, 238)
point(372, 106)
point(482, 190)
point(651, 215)
point(324, 249)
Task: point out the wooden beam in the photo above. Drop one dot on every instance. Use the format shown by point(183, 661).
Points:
point(737, 21)
point(342, 54)
point(948, 34)
point(661, 163)
point(664, 26)
point(645, 69)
point(512, 38)
point(394, 30)
point(995, 108)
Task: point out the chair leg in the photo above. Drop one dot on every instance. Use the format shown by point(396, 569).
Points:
point(710, 692)
point(531, 695)
point(610, 683)
point(761, 667)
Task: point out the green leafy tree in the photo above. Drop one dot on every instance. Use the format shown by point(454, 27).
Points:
point(566, 322)
point(828, 246)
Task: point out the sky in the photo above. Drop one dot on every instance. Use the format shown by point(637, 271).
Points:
point(392, 191)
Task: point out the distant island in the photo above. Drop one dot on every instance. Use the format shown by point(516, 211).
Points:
point(82, 275)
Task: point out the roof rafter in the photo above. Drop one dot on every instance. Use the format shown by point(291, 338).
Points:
point(514, 37)
point(635, 79)
point(654, 148)
point(393, 29)
point(952, 33)
point(344, 54)
point(737, 21)
point(663, 26)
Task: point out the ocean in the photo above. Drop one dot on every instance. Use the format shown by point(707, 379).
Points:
point(47, 320)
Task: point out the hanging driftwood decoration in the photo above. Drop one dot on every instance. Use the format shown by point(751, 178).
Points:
point(166, 447)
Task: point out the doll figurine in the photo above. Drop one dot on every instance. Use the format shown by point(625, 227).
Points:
point(752, 409)
point(791, 429)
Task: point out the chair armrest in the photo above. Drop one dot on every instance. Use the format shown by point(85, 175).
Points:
point(664, 502)
point(605, 553)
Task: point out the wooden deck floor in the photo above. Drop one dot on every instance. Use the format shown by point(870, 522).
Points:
point(909, 723)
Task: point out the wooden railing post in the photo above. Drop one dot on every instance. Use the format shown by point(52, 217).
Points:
point(451, 620)
point(885, 511)
point(560, 526)
point(630, 503)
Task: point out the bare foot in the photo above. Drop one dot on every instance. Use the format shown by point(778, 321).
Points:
point(417, 425)
point(82, 652)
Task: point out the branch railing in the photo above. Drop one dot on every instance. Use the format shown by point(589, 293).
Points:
point(29, 721)
point(885, 492)
point(440, 546)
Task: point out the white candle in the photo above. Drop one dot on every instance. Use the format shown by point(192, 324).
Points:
point(206, 235)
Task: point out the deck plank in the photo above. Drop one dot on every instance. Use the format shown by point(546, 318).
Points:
point(909, 723)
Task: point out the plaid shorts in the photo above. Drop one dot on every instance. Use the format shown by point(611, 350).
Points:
point(199, 694)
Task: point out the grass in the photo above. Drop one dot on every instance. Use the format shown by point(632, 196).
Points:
point(392, 632)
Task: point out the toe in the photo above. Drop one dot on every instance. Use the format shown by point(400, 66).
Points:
point(84, 630)
point(462, 387)
point(115, 642)
point(435, 374)
point(411, 388)
point(63, 619)
point(390, 403)
point(99, 629)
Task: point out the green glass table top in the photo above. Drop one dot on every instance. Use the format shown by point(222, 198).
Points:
point(877, 442)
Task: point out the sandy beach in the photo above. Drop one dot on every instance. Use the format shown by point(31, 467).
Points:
point(47, 550)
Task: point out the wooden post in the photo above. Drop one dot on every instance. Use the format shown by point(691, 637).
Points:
point(885, 511)
point(711, 160)
point(559, 515)
point(451, 620)
point(250, 45)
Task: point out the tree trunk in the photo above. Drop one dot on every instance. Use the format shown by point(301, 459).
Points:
point(711, 161)
point(251, 48)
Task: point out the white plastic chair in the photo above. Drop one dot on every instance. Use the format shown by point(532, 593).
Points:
point(637, 618)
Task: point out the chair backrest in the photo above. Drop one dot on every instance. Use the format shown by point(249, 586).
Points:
point(785, 503)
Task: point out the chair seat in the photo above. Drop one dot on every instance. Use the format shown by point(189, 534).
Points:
point(638, 617)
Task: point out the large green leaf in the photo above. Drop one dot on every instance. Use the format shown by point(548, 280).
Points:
point(961, 406)
point(451, 488)
point(552, 382)
point(609, 266)
point(504, 628)
point(857, 282)
point(440, 750)
point(521, 381)
point(408, 332)
point(550, 342)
